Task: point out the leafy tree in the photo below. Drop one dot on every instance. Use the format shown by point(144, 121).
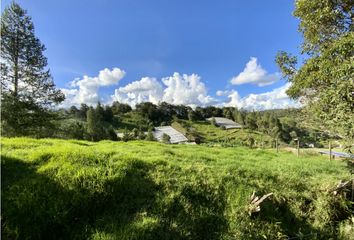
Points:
point(120, 108)
point(192, 116)
point(263, 123)
point(111, 134)
point(249, 141)
point(135, 133)
point(212, 111)
point(193, 135)
point(166, 138)
point(141, 135)
point(228, 112)
point(27, 88)
point(108, 114)
point(83, 111)
point(73, 110)
point(92, 127)
point(325, 80)
point(99, 112)
point(213, 121)
point(182, 111)
point(239, 118)
point(251, 121)
point(148, 110)
point(166, 112)
point(76, 130)
point(126, 136)
point(199, 112)
point(150, 136)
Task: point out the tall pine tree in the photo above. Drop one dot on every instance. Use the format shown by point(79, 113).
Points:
point(28, 91)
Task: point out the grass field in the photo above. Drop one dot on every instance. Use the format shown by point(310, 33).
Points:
point(68, 189)
point(231, 137)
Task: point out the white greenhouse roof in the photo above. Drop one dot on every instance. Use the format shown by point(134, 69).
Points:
point(227, 123)
point(175, 136)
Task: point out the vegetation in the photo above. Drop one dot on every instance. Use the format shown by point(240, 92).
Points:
point(94, 189)
point(166, 138)
point(149, 190)
point(27, 89)
point(325, 80)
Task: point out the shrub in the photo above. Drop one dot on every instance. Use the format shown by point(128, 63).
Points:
point(126, 136)
point(213, 121)
point(166, 138)
point(150, 136)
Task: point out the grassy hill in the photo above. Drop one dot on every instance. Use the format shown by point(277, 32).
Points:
point(214, 135)
point(147, 190)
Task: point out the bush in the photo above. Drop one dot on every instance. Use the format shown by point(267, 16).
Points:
point(166, 138)
point(150, 136)
point(213, 121)
point(111, 134)
point(126, 136)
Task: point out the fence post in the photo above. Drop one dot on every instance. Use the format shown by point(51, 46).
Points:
point(276, 144)
point(330, 151)
point(298, 147)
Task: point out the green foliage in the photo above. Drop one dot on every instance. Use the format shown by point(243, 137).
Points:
point(250, 142)
point(192, 116)
point(228, 112)
point(56, 189)
point(166, 138)
point(211, 135)
point(127, 136)
point(193, 135)
point(251, 121)
point(325, 80)
point(120, 108)
point(75, 130)
point(240, 118)
point(150, 136)
point(93, 125)
point(213, 121)
point(27, 89)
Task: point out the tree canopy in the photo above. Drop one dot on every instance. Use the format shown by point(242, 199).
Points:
point(325, 80)
point(27, 87)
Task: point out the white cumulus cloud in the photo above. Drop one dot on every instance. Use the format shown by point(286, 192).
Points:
point(255, 74)
point(145, 90)
point(176, 89)
point(275, 99)
point(85, 90)
point(223, 93)
point(186, 89)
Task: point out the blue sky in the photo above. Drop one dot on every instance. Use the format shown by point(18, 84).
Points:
point(154, 39)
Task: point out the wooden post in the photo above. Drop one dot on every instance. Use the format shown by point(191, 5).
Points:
point(298, 147)
point(276, 144)
point(330, 151)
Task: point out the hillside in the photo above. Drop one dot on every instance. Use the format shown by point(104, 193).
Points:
point(213, 135)
point(147, 190)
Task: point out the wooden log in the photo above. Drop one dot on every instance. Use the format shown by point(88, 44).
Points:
point(341, 186)
point(255, 202)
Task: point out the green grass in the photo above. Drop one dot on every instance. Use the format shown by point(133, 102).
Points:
point(57, 189)
point(212, 134)
point(130, 121)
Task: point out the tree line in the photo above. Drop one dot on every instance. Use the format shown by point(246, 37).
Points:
point(99, 123)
